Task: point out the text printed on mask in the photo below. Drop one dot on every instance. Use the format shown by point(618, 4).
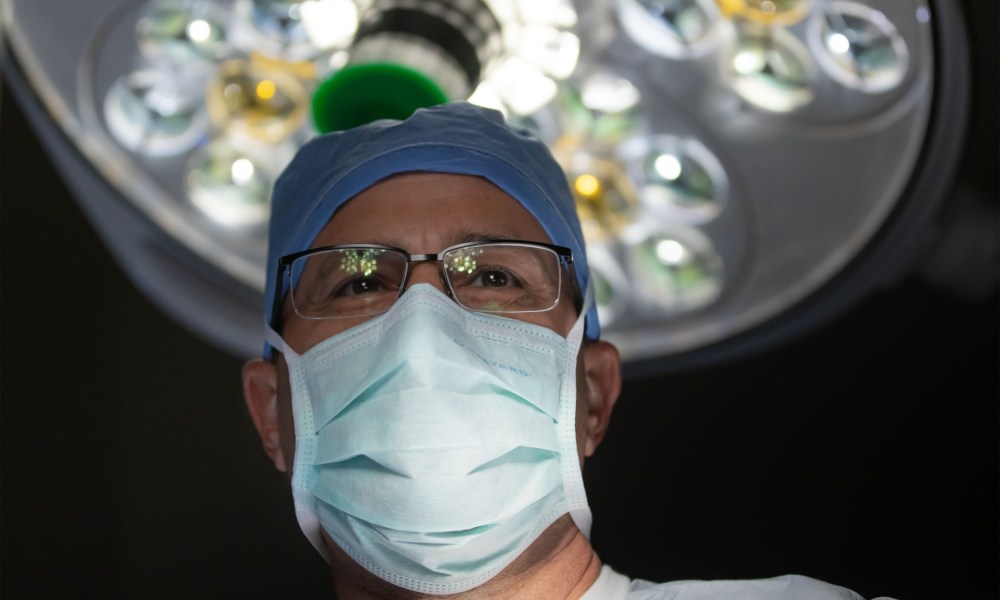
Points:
point(493, 363)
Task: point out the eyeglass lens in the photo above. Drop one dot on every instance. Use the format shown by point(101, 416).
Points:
point(353, 282)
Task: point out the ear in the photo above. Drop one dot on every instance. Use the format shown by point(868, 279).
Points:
point(260, 390)
point(603, 376)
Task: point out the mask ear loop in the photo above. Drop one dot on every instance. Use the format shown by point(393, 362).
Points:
point(306, 512)
point(276, 342)
point(572, 474)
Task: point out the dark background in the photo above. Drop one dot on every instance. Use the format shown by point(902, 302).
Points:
point(864, 453)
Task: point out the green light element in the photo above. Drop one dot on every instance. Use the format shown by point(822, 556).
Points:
point(360, 261)
point(363, 93)
point(463, 261)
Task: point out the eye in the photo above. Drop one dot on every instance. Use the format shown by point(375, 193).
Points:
point(359, 286)
point(494, 278)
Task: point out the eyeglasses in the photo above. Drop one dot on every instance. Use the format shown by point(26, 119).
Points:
point(358, 280)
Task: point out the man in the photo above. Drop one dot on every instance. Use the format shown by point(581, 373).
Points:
point(434, 375)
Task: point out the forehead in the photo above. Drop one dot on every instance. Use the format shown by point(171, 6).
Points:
point(425, 212)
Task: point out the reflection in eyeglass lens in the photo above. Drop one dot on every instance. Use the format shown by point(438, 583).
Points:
point(346, 282)
point(504, 278)
point(462, 260)
point(360, 261)
point(352, 282)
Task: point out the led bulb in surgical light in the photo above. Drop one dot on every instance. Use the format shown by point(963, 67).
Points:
point(278, 18)
point(749, 61)
point(199, 31)
point(587, 185)
point(681, 186)
point(242, 171)
point(679, 179)
point(771, 70)
point(604, 196)
point(329, 23)
point(670, 252)
point(679, 268)
point(608, 93)
point(859, 47)
point(148, 112)
point(265, 89)
point(275, 28)
point(766, 12)
point(553, 51)
point(838, 43)
point(667, 166)
point(677, 29)
point(181, 32)
point(227, 187)
point(599, 106)
point(522, 86)
point(260, 103)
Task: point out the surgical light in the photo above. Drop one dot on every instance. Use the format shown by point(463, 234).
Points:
point(734, 161)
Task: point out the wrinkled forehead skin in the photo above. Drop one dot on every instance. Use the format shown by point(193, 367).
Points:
point(458, 138)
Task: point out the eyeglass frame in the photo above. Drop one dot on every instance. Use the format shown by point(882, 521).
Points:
point(564, 254)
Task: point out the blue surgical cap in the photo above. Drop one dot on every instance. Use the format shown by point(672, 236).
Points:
point(459, 138)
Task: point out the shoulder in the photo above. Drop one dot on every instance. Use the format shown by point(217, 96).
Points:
point(786, 587)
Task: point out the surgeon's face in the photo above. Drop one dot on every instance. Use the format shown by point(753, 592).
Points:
point(425, 213)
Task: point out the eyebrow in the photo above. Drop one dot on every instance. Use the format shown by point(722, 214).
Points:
point(464, 236)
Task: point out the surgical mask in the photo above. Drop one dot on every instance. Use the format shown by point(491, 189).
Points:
point(434, 444)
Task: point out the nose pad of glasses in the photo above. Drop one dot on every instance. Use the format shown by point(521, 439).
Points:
point(426, 272)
